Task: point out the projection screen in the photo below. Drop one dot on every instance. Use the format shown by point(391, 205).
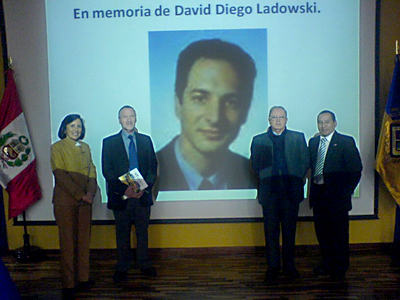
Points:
point(92, 57)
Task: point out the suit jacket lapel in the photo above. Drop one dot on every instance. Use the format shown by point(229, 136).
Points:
point(289, 149)
point(332, 148)
point(140, 150)
point(288, 144)
point(314, 149)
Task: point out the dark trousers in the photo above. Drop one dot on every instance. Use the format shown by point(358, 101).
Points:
point(133, 214)
point(74, 231)
point(282, 213)
point(332, 229)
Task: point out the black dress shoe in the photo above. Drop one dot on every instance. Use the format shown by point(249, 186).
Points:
point(119, 276)
point(150, 272)
point(82, 285)
point(395, 263)
point(292, 273)
point(338, 276)
point(321, 270)
point(68, 293)
point(272, 274)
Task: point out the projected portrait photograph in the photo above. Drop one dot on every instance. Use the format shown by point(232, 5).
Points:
point(202, 87)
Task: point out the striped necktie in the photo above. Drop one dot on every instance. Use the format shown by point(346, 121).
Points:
point(318, 174)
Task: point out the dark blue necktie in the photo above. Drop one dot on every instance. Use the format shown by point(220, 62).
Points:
point(133, 159)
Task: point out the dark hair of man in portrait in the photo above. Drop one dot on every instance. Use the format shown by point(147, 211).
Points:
point(217, 49)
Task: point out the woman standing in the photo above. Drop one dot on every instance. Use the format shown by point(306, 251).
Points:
point(75, 187)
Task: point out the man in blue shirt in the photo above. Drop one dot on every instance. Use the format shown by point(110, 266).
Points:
point(213, 92)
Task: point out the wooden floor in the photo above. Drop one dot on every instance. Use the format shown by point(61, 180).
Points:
point(227, 273)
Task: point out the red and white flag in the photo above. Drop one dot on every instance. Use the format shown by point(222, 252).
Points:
point(17, 158)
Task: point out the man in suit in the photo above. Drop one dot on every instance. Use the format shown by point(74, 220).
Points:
point(213, 91)
point(336, 170)
point(279, 158)
point(121, 153)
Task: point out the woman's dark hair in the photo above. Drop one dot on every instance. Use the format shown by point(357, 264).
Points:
point(69, 119)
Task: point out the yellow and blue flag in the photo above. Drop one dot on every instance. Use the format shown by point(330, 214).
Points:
point(387, 162)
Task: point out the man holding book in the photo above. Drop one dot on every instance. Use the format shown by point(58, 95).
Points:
point(122, 153)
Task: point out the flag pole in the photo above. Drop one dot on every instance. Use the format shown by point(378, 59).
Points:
point(27, 252)
point(24, 253)
point(3, 227)
point(23, 188)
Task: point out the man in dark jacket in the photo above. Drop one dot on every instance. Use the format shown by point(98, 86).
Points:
point(279, 158)
point(122, 153)
point(336, 171)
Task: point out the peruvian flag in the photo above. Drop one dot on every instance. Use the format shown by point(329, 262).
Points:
point(17, 158)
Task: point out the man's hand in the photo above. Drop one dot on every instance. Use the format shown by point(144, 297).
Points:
point(130, 192)
point(88, 198)
point(138, 194)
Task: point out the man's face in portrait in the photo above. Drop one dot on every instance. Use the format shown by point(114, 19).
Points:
point(211, 111)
